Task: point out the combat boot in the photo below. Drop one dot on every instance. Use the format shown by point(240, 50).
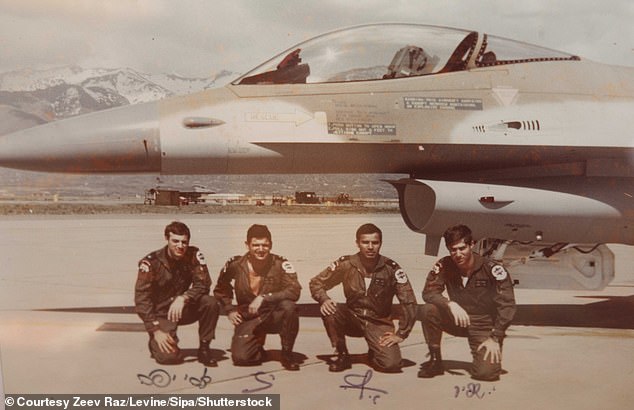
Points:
point(342, 362)
point(288, 361)
point(432, 367)
point(205, 357)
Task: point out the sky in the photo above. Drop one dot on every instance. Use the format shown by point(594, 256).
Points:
point(199, 38)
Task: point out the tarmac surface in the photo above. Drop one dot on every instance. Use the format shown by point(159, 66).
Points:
point(67, 324)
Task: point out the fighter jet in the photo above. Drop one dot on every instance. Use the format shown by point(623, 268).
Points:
point(531, 147)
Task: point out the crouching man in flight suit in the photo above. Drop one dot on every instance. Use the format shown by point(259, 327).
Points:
point(266, 288)
point(370, 282)
point(480, 307)
point(172, 289)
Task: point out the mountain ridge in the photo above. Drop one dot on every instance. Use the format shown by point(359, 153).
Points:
point(66, 91)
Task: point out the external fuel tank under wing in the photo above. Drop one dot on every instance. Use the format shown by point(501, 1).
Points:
point(519, 141)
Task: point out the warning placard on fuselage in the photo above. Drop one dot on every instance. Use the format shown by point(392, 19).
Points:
point(350, 128)
point(442, 103)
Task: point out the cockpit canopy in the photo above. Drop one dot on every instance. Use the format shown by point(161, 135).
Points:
point(386, 51)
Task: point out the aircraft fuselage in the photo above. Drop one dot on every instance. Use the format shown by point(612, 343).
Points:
point(548, 125)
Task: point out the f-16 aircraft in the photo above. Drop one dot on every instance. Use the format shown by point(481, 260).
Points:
point(533, 148)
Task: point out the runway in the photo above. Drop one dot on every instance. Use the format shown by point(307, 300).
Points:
point(67, 325)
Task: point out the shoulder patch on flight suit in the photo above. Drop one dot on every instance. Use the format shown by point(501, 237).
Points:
point(201, 258)
point(145, 270)
point(288, 267)
point(335, 264)
point(499, 272)
point(437, 268)
point(401, 276)
point(144, 266)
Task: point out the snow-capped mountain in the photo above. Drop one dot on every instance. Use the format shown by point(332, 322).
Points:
point(39, 79)
point(180, 85)
point(127, 81)
point(62, 92)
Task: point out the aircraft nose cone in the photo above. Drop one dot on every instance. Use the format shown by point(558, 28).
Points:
point(124, 139)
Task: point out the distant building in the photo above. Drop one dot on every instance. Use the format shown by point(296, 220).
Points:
point(162, 196)
point(306, 197)
point(174, 196)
